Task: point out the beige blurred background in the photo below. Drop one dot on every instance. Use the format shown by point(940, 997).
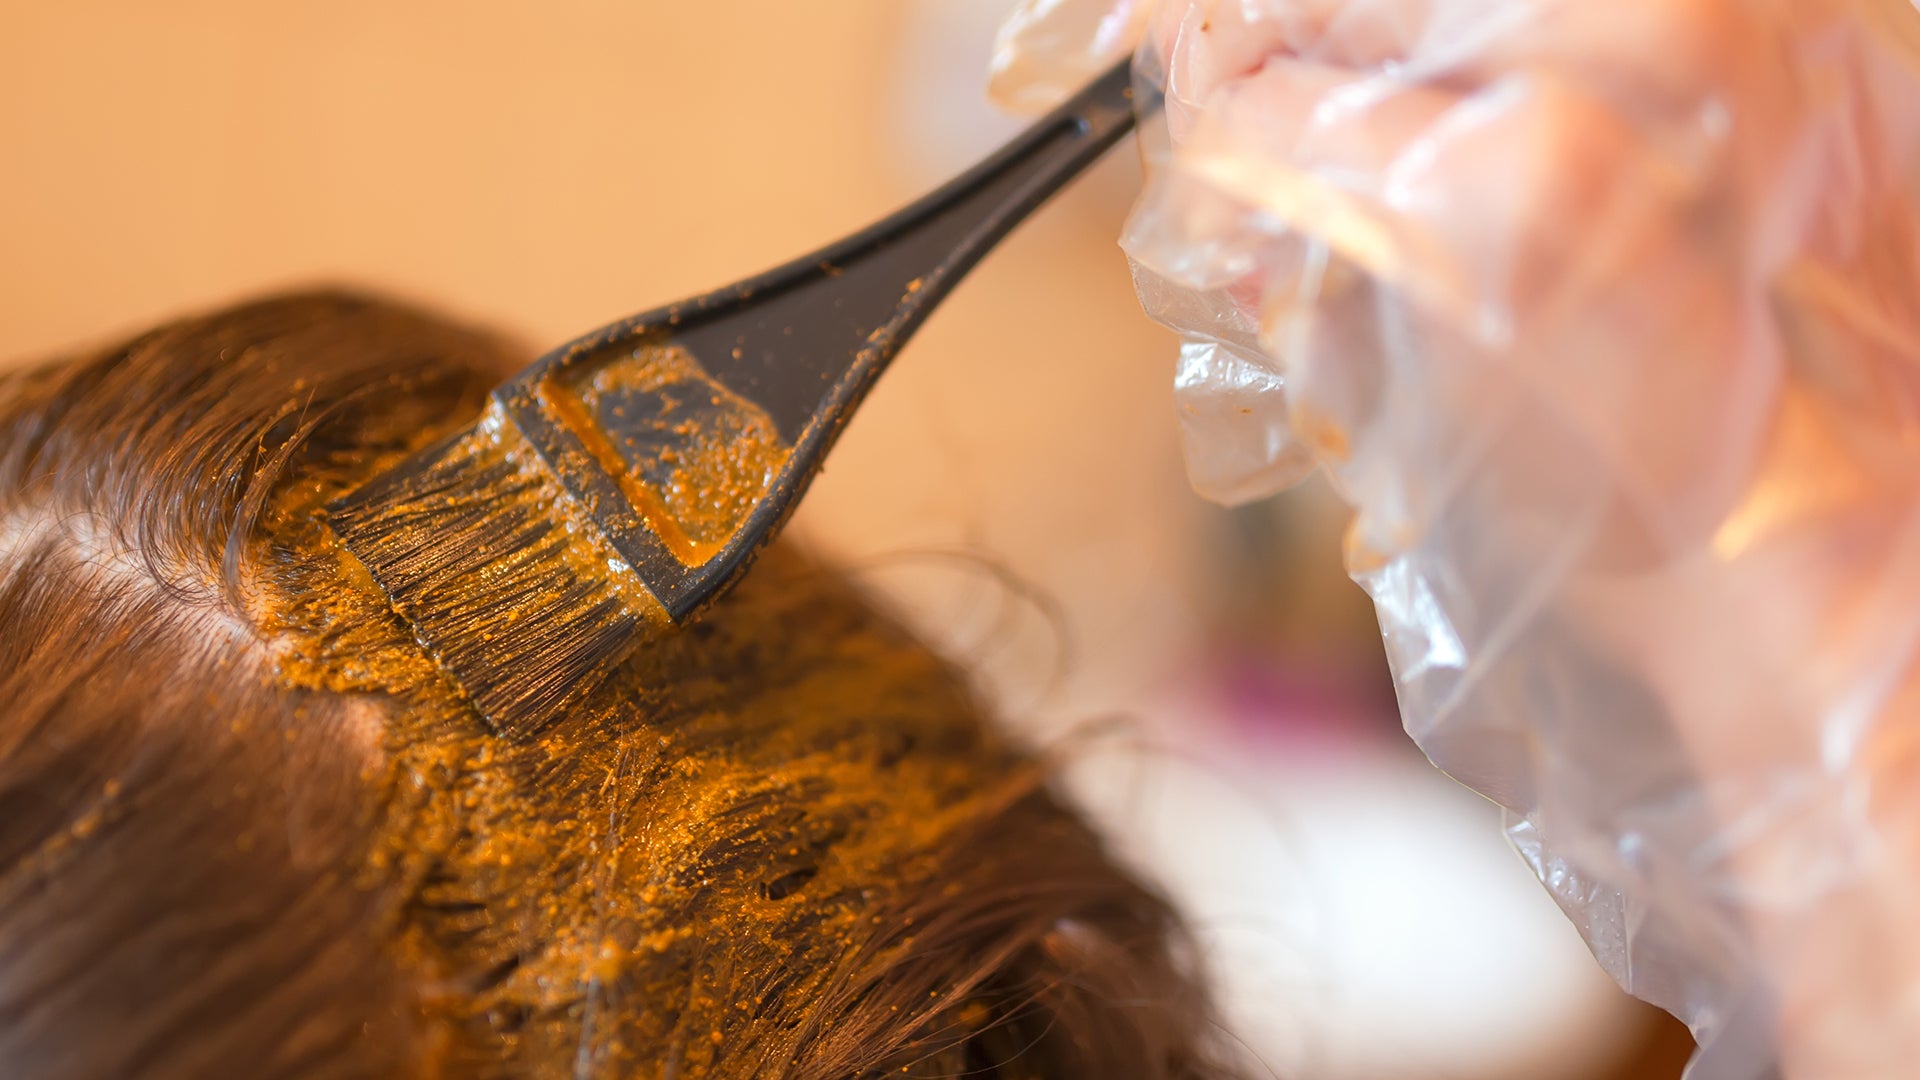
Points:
point(1014, 485)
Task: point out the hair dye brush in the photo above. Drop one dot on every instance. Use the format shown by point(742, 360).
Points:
point(627, 478)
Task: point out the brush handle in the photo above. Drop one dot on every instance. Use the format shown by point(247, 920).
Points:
point(785, 357)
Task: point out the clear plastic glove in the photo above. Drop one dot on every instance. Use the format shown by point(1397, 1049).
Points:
point(1605, 315)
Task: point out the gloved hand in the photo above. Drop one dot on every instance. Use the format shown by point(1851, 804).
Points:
point(1605, 315)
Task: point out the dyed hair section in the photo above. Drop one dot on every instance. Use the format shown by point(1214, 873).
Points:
point(248, 828)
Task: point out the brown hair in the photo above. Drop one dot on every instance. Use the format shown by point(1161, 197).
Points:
point(247, 828)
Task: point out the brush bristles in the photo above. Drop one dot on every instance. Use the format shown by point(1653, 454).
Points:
point(470, 544)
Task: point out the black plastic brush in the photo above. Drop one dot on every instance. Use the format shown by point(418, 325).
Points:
point(626, 479)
